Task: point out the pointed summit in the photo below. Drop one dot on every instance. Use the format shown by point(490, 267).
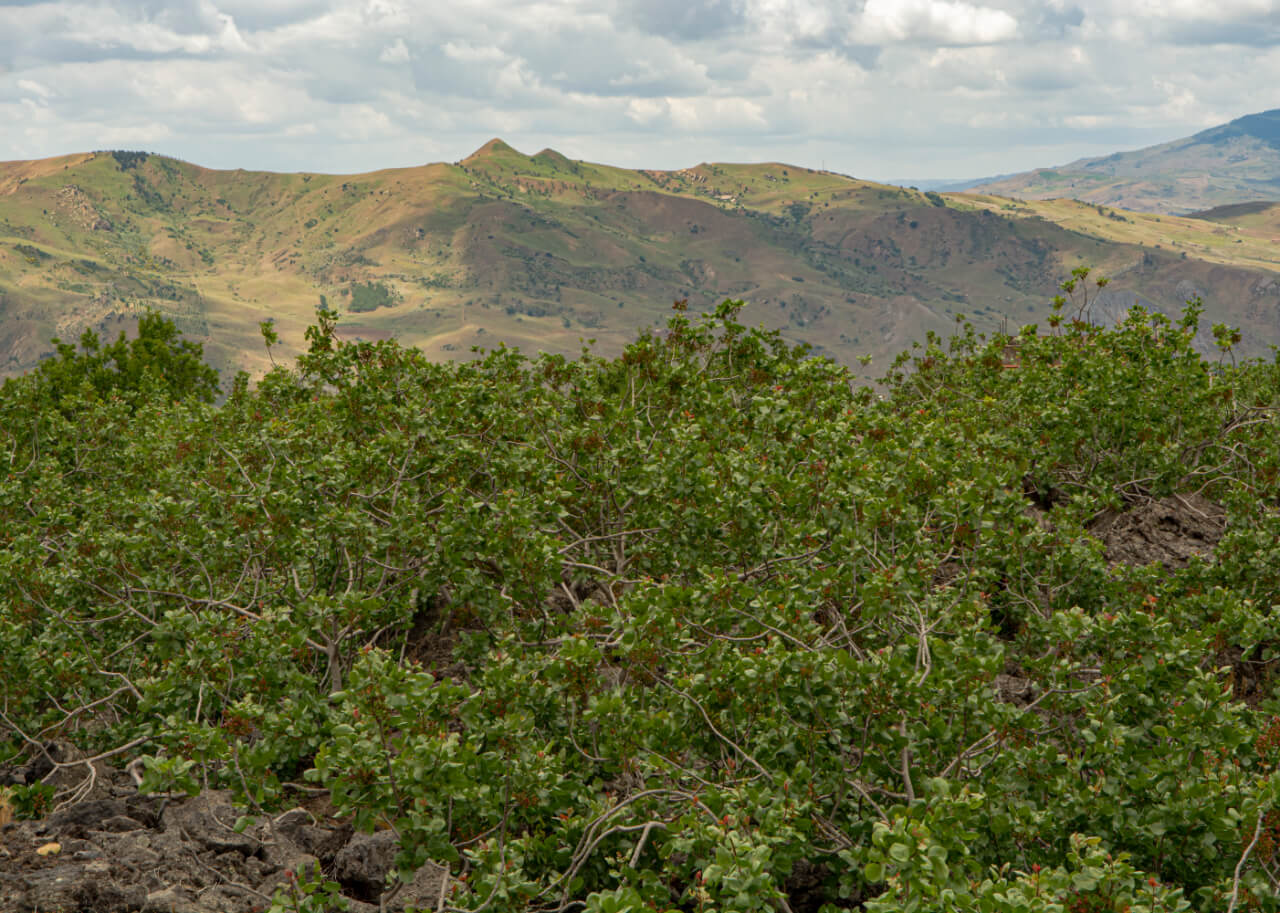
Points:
point(557, 161)
point(491, 149)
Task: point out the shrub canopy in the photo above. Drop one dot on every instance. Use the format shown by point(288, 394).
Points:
point(703, 626)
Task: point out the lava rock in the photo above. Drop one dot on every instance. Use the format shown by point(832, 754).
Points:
point(209, 820)
point(366, 864)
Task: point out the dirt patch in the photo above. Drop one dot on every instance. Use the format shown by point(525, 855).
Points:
point(76, 203)
point(1170, 532)
point(118, 851)
point(363, 332)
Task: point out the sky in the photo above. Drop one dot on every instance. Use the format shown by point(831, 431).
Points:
point(879, 89)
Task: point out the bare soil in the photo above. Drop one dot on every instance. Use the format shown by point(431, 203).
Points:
point(1170, 531)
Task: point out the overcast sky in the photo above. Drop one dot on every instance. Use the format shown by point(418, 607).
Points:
point(874, 88)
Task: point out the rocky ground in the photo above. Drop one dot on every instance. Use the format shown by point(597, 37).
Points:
point(119, 851)
point(1169, 531)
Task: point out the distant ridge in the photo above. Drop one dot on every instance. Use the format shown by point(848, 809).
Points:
point(1264, 126)
point(946, 185)
point(544, 252)
point(1234, 211)
point(1236, 162)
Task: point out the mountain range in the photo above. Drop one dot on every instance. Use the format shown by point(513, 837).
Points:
point(1236, 162)
point(545, 252)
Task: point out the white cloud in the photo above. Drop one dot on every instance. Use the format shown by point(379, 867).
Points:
point(467, 53)
point(33, 87)
point(879, 88)
point(645, 111)
point(396, 52)
point(138, 135)
point(721, 115)
point(936, 22)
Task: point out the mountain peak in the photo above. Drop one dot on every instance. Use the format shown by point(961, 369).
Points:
point(1264, 126)
point(494, 147)
point(556, 161)
point(1240, 159)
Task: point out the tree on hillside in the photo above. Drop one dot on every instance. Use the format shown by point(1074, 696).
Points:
point(157, 359)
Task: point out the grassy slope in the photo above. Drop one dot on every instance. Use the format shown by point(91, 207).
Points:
point(541, 252)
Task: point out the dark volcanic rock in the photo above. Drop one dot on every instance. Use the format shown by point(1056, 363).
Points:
point(127, 853)
point(300, 827)
point(74, 821)
point(365, 868)
point(40, 766)
point(169, 900)
point(117, 851)
point(209, 819)
point(90, 887)
point(364, 862)
point(119, 824)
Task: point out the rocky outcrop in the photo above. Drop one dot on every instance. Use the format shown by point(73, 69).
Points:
point(118, 851)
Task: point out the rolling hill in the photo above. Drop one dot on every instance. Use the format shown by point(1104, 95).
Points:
point(543, 252)
point(1237, 162)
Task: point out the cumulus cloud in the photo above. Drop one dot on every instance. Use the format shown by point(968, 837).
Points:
point(942, 22)
point(33, 87)
point(720, 115)
point(396, 52)
point(686, 20)
point(878, 88)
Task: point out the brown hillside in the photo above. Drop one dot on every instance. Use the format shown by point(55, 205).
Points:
point(542, 251)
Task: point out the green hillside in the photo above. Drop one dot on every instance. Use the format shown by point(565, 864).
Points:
point(542, 252)
point(1237, 162)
